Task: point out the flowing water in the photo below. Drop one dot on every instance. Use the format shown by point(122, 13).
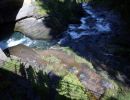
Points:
point(19, 38)
point(95, 22)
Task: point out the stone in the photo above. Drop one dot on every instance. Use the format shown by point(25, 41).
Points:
point(30, 22)
point(3, 57)
point(33, 28)
point(91, 80)
point(26, 55)
point(26, 10)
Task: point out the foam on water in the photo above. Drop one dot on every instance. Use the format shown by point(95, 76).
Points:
point(94, 23)
point(18, 38)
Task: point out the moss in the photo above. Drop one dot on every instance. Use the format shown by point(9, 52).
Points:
point(71, 88)
point(124, 96)
point(12, 65)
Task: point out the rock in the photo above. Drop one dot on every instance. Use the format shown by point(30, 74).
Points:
point(26, 10)
point(33, 28)
point(88, 77)
point(91, 80)
point(3, 57)
point(30, 22)
point(26, 55)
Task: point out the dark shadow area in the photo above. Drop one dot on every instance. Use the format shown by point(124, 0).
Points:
point(15, 87)
point(8, 13)
point(60, 14)
point(27, 84)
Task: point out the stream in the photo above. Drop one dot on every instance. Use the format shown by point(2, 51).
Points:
point(95, 22)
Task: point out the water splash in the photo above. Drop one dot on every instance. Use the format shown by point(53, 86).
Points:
point(19, 38)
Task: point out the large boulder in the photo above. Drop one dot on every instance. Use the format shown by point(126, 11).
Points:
point(33, 28)
point(30, 21)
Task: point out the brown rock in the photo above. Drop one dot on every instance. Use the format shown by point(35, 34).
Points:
point(26, 55)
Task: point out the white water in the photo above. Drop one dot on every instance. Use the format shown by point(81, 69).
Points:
point(96, 21)
point(19, 38)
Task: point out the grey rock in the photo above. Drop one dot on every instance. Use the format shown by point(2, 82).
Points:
point(2, 55)
point(30, 22)
point(33, 28)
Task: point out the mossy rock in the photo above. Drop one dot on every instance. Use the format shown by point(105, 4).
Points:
point(71, 88)
point(12, 65)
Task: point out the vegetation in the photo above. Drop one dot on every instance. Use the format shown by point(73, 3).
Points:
point(71, 88)
point(65, 87)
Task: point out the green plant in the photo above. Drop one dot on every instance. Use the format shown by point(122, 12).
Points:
point(12, 65)
point(71, 88)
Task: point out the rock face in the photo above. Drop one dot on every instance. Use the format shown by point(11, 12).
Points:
point(26, 10)
point(26, 55)
point(30, 22)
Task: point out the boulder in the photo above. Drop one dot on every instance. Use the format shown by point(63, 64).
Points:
point(30, 22)
point(33, 28)
point(27, 55)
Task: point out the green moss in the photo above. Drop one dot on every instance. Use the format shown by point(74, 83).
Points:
point(71, 88)
point(124, 96)
point(12, 65)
